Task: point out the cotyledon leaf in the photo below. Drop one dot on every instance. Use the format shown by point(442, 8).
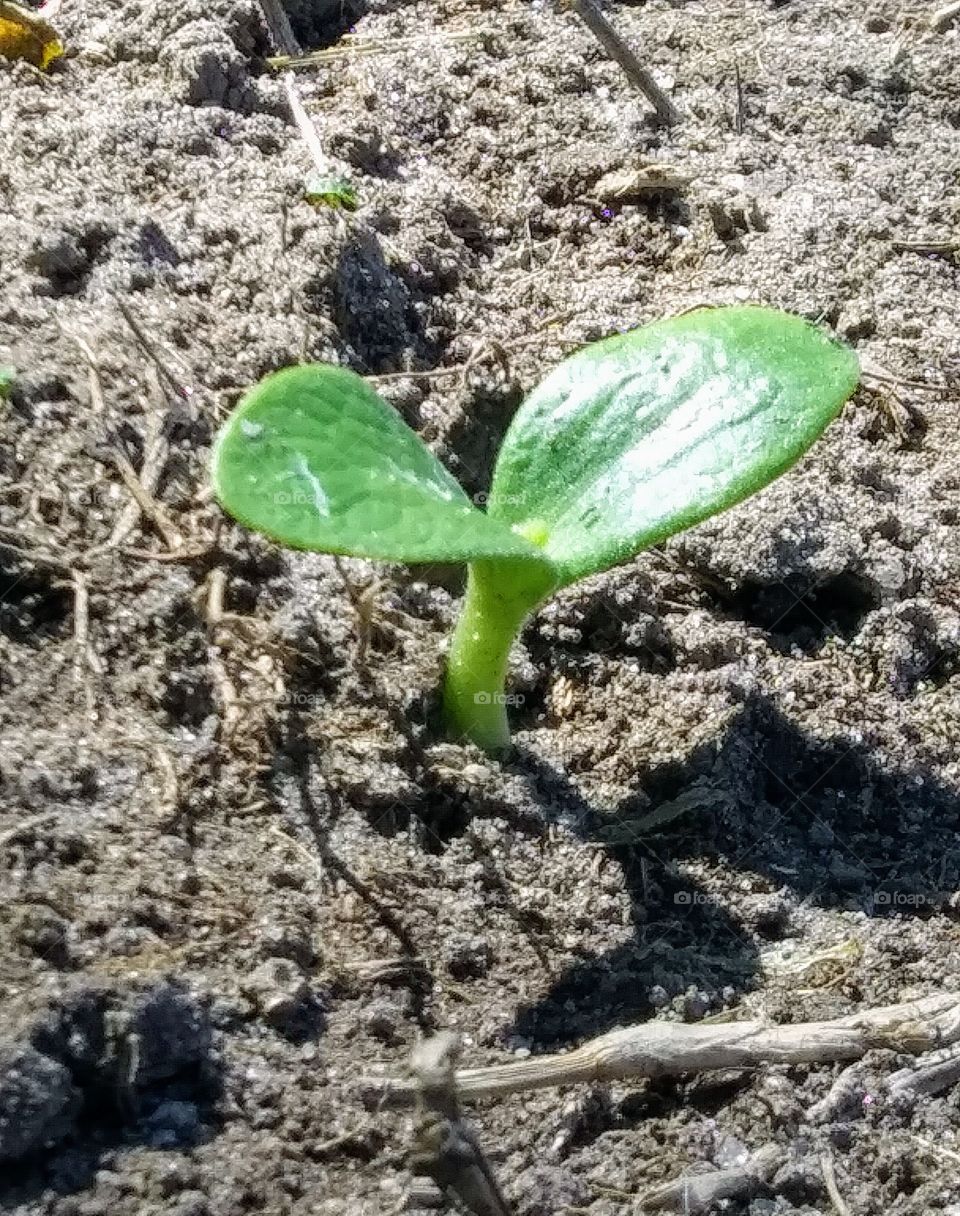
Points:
point(314, 458)
point(644, 434)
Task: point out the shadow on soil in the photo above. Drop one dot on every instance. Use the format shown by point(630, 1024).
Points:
point(103, 1069)
point(820, 818)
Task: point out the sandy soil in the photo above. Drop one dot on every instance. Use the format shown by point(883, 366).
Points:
point(239, 868)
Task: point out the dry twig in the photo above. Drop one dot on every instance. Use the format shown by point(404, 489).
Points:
point(840, 1205)
point(279, 28)
point(308, 131)
point(446, 1148)
point(933, 1076)
point(85, 661)
point(620, 53)
point(145, 501)
point(350, 47)
point(944, 17)
point(151, 349)
point(696, 1193)
point(661, 1049)
point(227, 696)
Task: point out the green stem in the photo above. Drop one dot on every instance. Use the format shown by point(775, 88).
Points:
point(500, 596)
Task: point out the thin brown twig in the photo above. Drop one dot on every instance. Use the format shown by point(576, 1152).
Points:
point(148, 504)
point(641, 77)
point(151, 348)
point(661, 1049)
point(356, 48)
point(230, 710)
point(143, 485)
point(840, 1205)
point(447, 1150)
point(279, 28)
point(84, 661)
point(94, 380)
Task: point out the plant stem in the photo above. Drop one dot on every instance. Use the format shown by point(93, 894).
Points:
point(500, 596)
point(618, 50)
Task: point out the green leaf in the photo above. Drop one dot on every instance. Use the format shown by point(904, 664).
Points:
point(315, 459)
point(644, 434)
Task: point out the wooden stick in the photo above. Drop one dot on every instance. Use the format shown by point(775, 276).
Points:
point(700, 1193)
point(147, 504)
point(618, 51)
point(360, 48)
point(936, 1074)
point(944, 17)
point(308, 131)
point(840, 1205)
point(446, 1148)
point(152, 349)
point(664, 1049)
point(278, 26)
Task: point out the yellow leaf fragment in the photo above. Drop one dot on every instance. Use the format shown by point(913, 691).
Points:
point(25, 35)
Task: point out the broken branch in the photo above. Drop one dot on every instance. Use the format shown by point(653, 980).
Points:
point(660, 1049)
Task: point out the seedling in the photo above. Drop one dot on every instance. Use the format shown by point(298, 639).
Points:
point(330, 191)
point(625, 443)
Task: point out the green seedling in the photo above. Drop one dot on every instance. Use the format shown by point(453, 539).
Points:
point(7, 376)
point(625, 443)
point(335, 192)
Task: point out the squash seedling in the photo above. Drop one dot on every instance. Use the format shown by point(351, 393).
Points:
point(625, 443)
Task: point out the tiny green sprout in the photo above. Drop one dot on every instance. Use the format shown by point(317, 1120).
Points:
point(625, 443)
point(336, 192)
point(7, 376)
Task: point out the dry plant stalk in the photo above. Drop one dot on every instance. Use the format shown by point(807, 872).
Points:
point(661, 1049)
point(351, 47)
point(700, 1193)
point(446, 1148)
point(620, 53)
point(279, 28)
point(944, 17)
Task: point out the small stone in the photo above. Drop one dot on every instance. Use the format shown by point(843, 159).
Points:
point(658, 996)
point(37, 1100)
point(695, 1005)
point(277, 989)
point(469, 958)
point(172, 1123)
point(41, 931)
point(381, 1021)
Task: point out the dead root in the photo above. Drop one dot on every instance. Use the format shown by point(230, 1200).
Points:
point(445, 1146)
point(662, 1049)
